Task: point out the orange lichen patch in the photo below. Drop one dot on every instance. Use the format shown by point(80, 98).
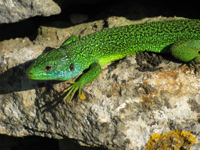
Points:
point(176, 82)
point(189, 136)
point(113, 91)
point(148, 99)
point(173, 140)
point(186, 68)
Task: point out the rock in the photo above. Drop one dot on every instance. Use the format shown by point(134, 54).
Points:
point(13, 11)
point(123, 108)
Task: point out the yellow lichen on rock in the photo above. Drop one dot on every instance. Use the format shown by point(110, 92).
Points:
point(173, 140)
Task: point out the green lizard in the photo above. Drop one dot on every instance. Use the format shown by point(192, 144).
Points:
point(181, 38)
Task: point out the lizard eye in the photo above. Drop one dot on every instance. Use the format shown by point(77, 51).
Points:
point(48, 68)
point(71, 67)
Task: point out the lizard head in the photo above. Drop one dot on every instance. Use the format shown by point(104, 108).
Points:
point(53, 65)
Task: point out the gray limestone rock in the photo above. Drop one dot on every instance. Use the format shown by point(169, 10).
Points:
point(13, 11)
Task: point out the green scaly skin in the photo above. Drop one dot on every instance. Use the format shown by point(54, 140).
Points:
point(181, 38)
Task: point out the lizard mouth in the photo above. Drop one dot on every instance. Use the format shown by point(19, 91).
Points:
point(30, 73)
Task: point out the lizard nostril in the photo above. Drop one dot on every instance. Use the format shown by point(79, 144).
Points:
point(30, 73)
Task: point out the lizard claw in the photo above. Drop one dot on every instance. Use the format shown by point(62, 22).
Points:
point(196, 69)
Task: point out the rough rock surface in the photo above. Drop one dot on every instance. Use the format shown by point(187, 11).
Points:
point(13, 11)
point(123, 107)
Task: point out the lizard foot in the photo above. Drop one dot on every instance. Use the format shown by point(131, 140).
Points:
point(72, 90)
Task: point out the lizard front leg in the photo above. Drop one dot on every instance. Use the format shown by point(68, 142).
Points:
point(93, 73)
point(187, 51)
